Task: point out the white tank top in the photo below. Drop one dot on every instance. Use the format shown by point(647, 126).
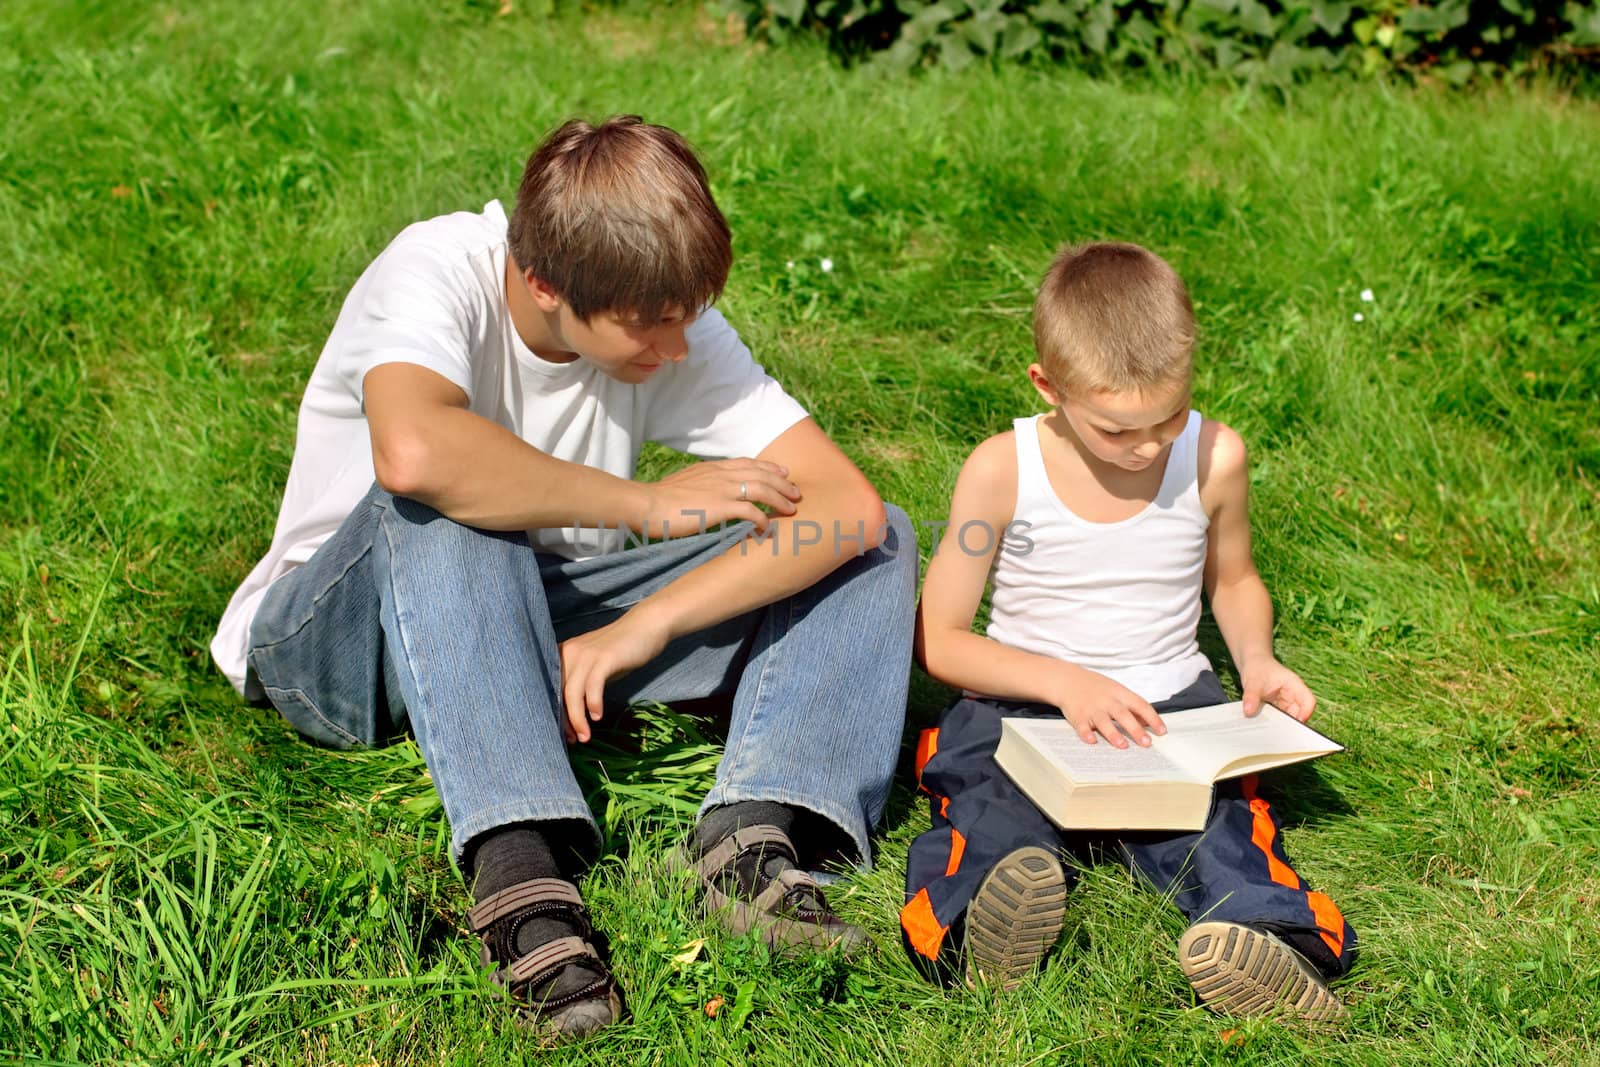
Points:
point(1121, 598)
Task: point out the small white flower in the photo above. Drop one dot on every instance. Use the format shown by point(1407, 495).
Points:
point(789, 265)
point(826, 265)
point(1367, 297)
point(1360, 317)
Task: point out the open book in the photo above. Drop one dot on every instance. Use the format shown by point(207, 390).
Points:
point(1164, 787)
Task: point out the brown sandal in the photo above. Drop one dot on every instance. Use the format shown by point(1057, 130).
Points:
point(573, 1014)
point(789, 913)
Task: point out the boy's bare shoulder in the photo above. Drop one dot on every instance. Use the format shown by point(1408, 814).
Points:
point(993, 464)
point(987, 485)
point(1223, 458)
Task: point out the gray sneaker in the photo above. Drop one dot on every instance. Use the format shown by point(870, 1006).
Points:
point(1239, 970)
point(1015, 917)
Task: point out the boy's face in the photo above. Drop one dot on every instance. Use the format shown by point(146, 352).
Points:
point(1130, 430)
point(618, 343)
point(623, 347)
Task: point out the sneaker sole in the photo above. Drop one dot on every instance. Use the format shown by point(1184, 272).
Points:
point(1238, 970)
point(1015, 917)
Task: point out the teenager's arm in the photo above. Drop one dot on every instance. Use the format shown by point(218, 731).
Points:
point(428, 446)
point(1238, 596)
point(799, 550)
point(986, 492)
point(839, 513)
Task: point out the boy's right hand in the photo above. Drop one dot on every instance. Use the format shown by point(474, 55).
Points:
point(704, 494)
point(1094, 704)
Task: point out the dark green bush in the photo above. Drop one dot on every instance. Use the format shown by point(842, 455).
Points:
point(1278, 40)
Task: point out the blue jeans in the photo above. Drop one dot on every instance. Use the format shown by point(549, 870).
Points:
point(407, 616)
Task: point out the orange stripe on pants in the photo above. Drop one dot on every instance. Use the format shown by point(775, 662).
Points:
point(922, 929)
point(958, 846)
point(1262, 833)
point(927, 745)
point(1330, 923)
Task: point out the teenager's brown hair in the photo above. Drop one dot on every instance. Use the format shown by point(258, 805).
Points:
point(619, 217)
point(1112, 317)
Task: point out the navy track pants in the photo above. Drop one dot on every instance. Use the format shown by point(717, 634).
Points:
point(1235, 869)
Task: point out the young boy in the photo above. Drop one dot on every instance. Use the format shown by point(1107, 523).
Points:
point(447, 556)
point(1099, 524)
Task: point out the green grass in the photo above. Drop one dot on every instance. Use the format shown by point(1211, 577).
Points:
point(186, 193)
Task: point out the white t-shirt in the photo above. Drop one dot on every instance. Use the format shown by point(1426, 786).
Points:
point(436, 298)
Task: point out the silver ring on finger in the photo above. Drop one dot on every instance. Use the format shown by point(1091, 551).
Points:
point(744, 491)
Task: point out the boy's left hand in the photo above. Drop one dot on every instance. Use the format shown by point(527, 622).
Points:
point(590, 660)
point(1272, 683)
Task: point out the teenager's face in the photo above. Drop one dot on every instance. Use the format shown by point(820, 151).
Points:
point(1128, 430)
point(622, 346)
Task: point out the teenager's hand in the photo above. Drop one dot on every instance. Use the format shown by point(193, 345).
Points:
point(1095, 704)
point(1270, 682)
point(704, 494)
point(590, 660)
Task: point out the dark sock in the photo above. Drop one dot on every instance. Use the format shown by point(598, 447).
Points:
point(760, 866)
point(1311, 946)
point(510, 855)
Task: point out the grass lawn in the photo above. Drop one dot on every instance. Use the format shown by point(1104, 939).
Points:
point(188, 190)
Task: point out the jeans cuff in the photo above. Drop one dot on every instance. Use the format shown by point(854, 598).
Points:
point(852, 826)
point(484, 820)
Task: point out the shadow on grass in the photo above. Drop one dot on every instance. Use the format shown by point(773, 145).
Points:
point(1301, 797)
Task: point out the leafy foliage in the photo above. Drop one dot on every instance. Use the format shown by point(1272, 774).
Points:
point(1274, 40)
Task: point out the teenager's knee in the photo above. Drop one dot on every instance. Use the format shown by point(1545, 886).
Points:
point(899, 534)
point(412, 526)
point(441, 568)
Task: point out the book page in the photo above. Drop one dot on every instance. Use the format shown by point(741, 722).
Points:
point(1220, 742)
point(1099, 762)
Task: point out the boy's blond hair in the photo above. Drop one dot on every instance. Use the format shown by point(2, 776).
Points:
point(619, 217)
point(1112, 317)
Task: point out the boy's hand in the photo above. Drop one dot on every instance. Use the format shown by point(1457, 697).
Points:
point(1096, 704)
point(1272, 683)
point(590, 660)
point(700, 496)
